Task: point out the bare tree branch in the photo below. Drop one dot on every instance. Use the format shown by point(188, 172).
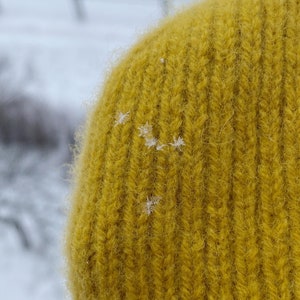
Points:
point(18, 227)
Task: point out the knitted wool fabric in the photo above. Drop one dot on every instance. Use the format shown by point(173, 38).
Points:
point(187, 184)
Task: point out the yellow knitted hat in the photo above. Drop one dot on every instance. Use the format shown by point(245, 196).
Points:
point(187, 184)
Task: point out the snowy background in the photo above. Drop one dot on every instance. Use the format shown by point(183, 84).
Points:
point(52, 65)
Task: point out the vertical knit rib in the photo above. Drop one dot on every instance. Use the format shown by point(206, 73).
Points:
point(191, 219)
point(251, 152)
point(212, 272)
point(166, 212)
point(189, 278)
point(225, 55)
point(244, 180)
point(220, 155)
point(273, 212)
point(282, 266)
point(290, 144)
point(145, 177)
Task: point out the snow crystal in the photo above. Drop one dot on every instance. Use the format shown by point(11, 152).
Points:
point(145, 130)
point(160, 146)
point(178, 143)
point(150, 142)
point(122, 118)
point(151, 202)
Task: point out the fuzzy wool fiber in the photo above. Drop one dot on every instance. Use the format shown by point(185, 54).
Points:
point(187, 181)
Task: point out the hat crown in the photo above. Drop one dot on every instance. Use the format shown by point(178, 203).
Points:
point(187, 184)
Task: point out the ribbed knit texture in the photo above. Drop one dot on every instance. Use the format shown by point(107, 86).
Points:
point(187, 185)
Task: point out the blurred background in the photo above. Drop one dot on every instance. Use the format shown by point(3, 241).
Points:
point(54, 56)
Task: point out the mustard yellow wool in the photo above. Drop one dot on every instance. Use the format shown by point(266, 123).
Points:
point(187, 178)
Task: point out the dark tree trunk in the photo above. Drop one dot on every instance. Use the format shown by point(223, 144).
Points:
point(166, 5)
point(79, 10)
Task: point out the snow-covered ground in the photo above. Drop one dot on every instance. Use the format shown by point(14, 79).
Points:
point(62, 62)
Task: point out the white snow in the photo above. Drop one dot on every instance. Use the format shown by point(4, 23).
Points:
point(151, 202)
point(150, 142)
point(178, 143)
point(122, 118)
point(145, 130)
